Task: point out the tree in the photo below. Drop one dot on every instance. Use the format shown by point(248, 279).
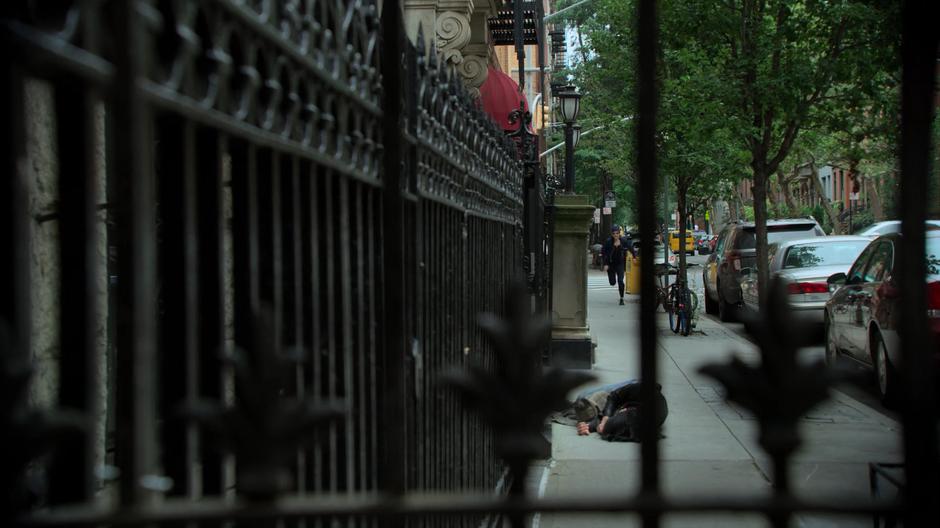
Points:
point(784, 63)
point(696, 149)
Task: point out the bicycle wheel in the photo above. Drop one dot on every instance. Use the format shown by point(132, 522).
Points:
point(674, 308)
point(692, 311)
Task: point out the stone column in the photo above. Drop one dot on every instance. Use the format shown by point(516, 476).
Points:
point(420, 14)
point(571, 337)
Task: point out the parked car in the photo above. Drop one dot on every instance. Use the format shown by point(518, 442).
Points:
point(806, 264)
point(890, 226)
point(703, 243)
point(712, 241)
point(735, 251)
point(861, 318)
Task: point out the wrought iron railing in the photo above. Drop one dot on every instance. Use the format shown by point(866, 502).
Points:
point(306, 215)
point(285, 291)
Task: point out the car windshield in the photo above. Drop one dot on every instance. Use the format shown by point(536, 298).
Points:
point(824, 254)
point(776, 233)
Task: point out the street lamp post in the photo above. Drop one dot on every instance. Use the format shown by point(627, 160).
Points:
point(573, 215)
point(570, 105)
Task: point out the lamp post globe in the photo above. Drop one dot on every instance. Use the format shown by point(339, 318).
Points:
point(575, 135)
point(570, 105)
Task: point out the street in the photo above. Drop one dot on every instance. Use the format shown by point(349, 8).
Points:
point(866, 394)
point(710, 447)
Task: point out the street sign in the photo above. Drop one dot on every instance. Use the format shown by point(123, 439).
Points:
point(607, 210)
point(597, 216)
point(610, 203)
point(853, 197)
point(609, 196)
point(707, 216)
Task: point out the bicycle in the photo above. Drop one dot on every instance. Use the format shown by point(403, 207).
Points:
point(683, 303)
point(662, 289)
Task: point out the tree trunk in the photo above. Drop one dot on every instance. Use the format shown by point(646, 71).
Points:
point(735, 205)
point(853, 204)
point(826, 204)
point(877, 208)
point(681, 192)
point(760, 228)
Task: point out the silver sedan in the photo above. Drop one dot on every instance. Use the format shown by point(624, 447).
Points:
point(805, 264)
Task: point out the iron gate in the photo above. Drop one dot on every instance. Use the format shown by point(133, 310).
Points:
point(302, 219)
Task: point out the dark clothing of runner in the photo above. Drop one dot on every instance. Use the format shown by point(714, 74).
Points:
point(615, 258)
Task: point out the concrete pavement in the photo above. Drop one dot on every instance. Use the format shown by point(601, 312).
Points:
point(709, 445)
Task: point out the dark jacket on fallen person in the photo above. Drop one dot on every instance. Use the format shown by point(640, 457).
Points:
point(623, 408)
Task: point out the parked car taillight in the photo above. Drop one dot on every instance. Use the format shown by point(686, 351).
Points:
point(933, 299)
point(799, 288)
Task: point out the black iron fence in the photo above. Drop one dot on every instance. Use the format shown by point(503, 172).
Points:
point(220, 206)
point(259, 234)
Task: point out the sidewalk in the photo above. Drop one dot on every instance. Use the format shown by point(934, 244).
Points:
point(709, 446)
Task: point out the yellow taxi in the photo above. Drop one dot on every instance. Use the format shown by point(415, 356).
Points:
point(689, 242)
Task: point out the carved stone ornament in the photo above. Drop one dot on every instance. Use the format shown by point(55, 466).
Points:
point(453, 31)
point(473, 70)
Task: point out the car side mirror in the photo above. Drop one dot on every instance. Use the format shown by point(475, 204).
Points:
point(835, 281)
point(746, 272)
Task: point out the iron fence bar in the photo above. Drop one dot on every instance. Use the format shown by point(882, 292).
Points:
point(14, 221)
point(272, 36)
point(919, 42)
point(210, 268)
point(176, 318)
point(444, 157)
point(164, 98)
point(358, 354)
point(15, 276)
point(278, 255)
point(418, 505)
point(192, 303)
point(268, 247)
point(373, 392)
point(647, 103)
point(434, 345)
point(393, 479)
point(307, 458)
point(73, 462)
point(332, 327)
point(346, 330)
point(317, 307)
point(136, 241)
point(39, 52)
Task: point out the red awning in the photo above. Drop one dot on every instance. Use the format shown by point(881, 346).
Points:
point(499, 96)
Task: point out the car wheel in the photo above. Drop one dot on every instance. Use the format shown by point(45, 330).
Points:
point(832, 351)
point(725, 310)
point(711, 307)
point(884, 371)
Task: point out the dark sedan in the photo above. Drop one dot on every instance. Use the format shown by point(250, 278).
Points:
point(861, 317)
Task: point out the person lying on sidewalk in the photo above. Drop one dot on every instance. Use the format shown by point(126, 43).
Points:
point(619, 418)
